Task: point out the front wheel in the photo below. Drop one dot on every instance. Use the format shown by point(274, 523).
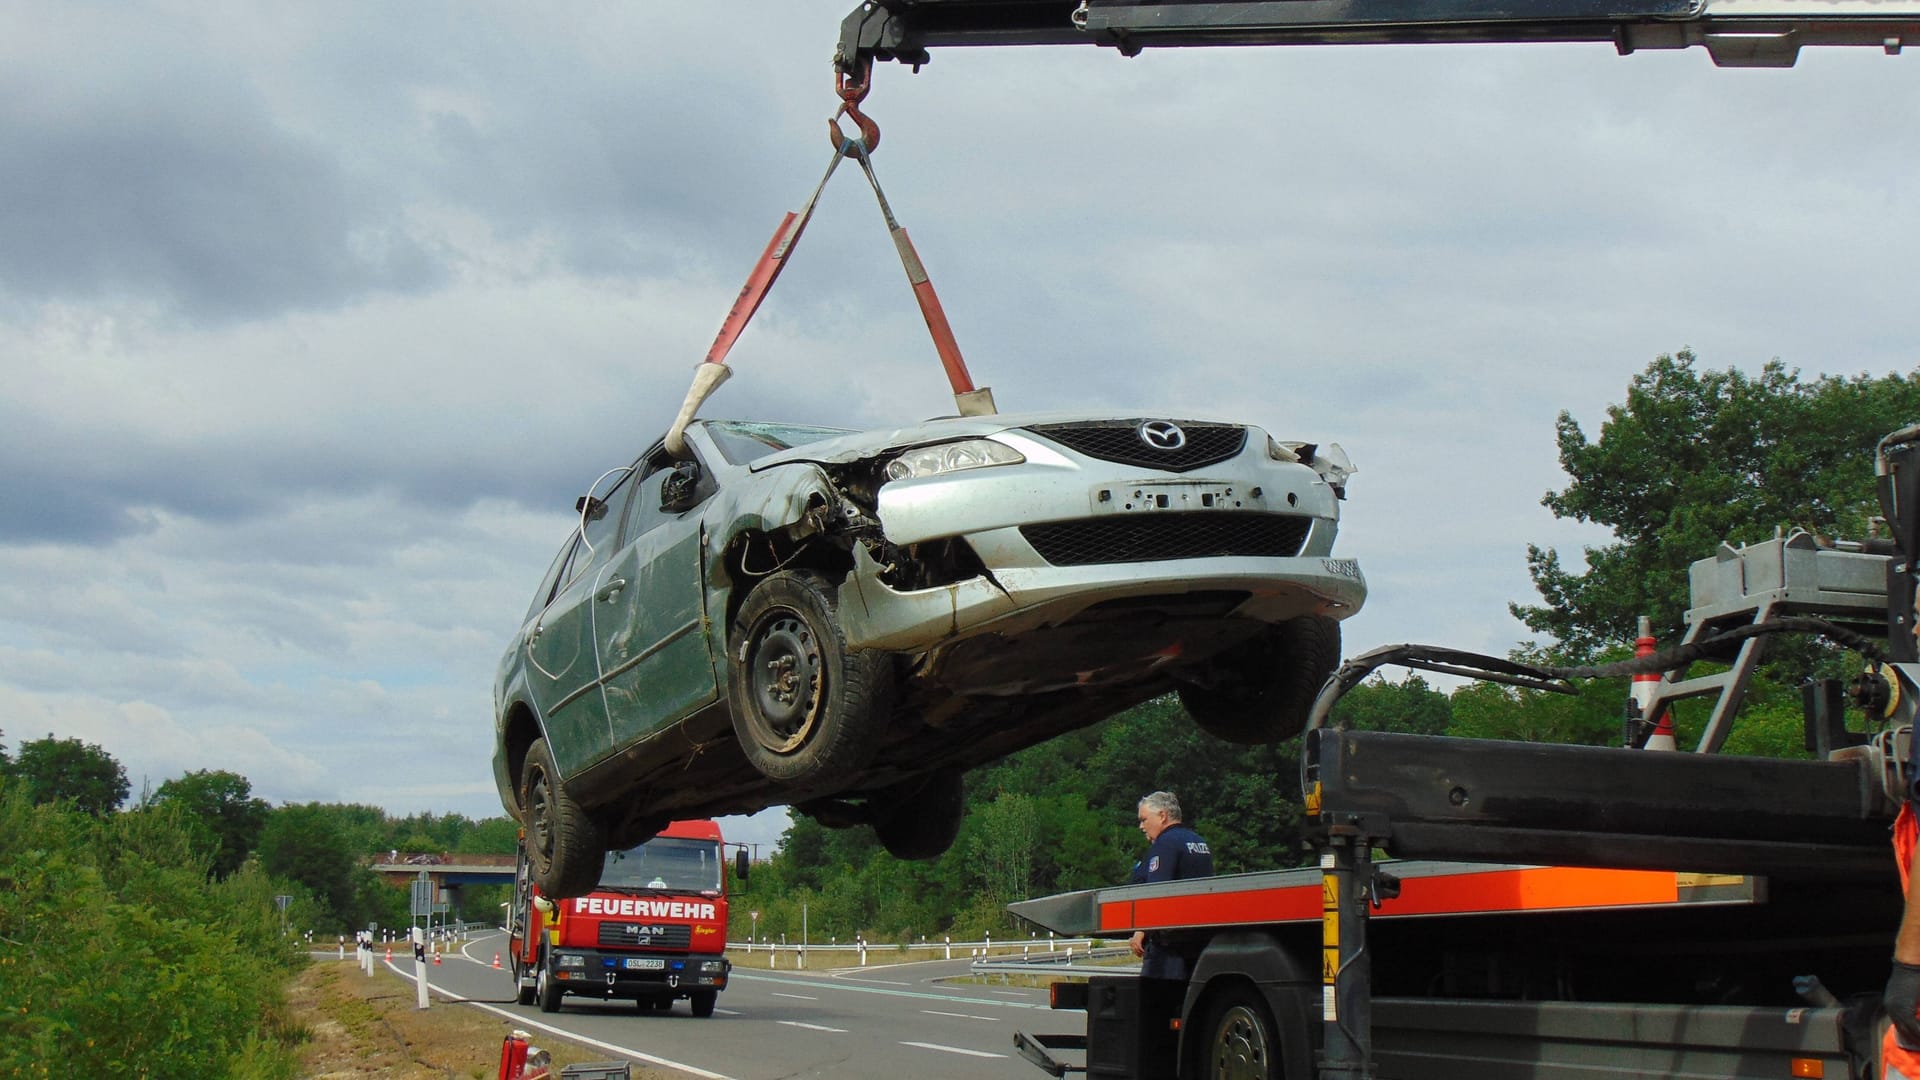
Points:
point(1240, 1040)
point(563, 842)
point(805, 707)
point(523, 991)
point(1263, 691)
point(703, 1001)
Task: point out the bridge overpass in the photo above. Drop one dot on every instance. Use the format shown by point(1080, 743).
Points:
point(448, 872)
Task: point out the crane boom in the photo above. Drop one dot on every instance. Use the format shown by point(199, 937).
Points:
point(1736, 33)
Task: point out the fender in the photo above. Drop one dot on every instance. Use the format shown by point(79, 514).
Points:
point(1287, 984)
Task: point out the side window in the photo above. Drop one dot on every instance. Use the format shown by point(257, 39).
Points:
point(555, 575)
point(601, 530)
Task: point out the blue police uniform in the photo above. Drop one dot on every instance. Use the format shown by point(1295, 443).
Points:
point(1178, 854)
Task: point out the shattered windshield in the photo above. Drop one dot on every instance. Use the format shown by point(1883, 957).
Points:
point(744, 442)
point(665, 863)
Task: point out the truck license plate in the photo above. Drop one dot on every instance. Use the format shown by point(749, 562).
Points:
point(645, 963)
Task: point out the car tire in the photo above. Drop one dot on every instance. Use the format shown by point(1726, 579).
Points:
point(805, 707)
point(1264, 689)
point(564, 853)
point(522, 993)
point(702, 1001)
point(1241, 1040)
point(547, 989)
point(919, 819)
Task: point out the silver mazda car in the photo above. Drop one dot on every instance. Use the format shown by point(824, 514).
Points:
point(845, 622)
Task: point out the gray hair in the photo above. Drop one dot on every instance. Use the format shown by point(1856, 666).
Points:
point(1162, 800)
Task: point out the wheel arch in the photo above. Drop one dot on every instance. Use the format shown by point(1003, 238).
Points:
point(1287, 984)
point(754, 554)
point(522, 729)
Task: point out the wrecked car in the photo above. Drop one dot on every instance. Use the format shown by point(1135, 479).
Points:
point(845, 622)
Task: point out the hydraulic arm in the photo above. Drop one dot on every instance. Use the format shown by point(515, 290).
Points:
point(1737, 33)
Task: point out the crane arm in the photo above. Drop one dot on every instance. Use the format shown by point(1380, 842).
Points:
point(1736, 33)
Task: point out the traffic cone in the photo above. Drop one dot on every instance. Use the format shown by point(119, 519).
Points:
point(436, 959)
point(389, 954)
point(1645, 688)
point(496, 959)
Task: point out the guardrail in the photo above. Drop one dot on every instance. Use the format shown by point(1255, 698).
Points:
point(1066, 962)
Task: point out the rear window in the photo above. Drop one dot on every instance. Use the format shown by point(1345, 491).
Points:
point(743, 442)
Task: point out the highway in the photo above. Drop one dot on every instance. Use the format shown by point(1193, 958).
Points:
point(880, 1022)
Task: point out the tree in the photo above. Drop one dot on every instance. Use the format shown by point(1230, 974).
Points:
point(1694, 458)
point(54, 769)
point(221, 803)
point(306, 844)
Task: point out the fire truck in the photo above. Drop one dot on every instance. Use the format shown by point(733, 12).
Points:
point(1504, 910)
point(652, 932)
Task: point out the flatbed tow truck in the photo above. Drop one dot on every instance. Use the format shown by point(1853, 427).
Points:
point(1546, 911)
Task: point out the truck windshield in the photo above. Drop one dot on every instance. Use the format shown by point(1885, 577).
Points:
point(665, 863)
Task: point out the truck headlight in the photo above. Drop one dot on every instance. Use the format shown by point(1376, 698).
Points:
point(571, 960)
point(951, 457)
point(713, 967)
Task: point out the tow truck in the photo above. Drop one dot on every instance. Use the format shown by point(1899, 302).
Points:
point(1541, 910)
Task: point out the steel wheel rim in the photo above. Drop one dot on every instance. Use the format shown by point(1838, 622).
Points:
point(1240, 1050)
point(784, 676)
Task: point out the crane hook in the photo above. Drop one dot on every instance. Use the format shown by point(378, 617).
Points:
point(852, 92)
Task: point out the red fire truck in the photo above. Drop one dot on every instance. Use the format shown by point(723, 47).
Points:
point(653, 931)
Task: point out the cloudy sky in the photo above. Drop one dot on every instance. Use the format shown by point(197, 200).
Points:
point(314, 320)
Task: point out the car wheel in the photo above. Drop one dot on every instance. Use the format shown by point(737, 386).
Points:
point(547, 989)
point(563, 843)
point(1263, 691)
point(702, 1001)
point(522, 993)
point(920, 818)
point(804, 707)
point(1240, 1041)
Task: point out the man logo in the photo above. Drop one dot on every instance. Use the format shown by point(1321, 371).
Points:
point(1162, 435)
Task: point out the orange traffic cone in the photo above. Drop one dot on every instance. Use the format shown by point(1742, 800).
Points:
point(496, 959)
point(436, 959)
point(389, 954)
point(1645, 688)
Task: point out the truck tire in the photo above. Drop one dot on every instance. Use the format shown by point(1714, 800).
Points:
point(702, 1001)
point(563, 843)
point(547, 989)
point(920, 818)
point(523, 993)
point(1263, 691)
point(805, 708)
point(1241, 1041)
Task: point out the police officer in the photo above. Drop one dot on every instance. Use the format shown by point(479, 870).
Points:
point(1174, 853)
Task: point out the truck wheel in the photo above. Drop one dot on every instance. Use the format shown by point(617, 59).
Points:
point(522, 994)
point(702, 1001)
point(1240, 1042)
point(919, 819)
point(804, 707)
point(1263, 691)
point(563, 842)
point(547, 989)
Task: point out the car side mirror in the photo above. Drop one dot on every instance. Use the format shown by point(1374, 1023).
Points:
point(682, 488)
point(740, 865)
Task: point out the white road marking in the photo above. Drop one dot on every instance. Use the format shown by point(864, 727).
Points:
point(961, 1016)
point(870, 982)
point(953, 1049)
point(812, 1027)
point(726, 1012)
point(796, 997)
point(1014, 993)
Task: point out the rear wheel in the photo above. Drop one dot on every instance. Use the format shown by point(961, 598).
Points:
point(523, 990)
point(805, 707)
point(703, 1001)
point(1263, 691)
point(1240, 1042)
point(547, 989)
point(920, 818)
point(563, 842)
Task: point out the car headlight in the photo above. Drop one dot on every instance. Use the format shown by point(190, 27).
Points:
point(571, 960)
point(951, 457)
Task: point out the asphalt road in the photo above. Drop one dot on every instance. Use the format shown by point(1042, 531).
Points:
point(872, 1023)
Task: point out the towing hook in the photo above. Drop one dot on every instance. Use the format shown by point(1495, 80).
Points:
point(853, 91)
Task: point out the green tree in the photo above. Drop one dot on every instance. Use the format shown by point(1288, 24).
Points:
point(222, 803)
point(307, 845)
point(1693, 458)
point(1410, 707)
point(54, 769)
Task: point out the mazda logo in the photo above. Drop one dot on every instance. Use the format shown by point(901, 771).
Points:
point(1162, 435)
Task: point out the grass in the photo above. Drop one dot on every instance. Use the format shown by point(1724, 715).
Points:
point(364, 1027)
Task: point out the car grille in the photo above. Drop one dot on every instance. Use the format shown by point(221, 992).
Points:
point(1119, 440)
point(626, 934)
point(1154, 536)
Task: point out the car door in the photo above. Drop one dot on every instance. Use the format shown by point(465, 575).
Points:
point(563, 675)
point(650, 626)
